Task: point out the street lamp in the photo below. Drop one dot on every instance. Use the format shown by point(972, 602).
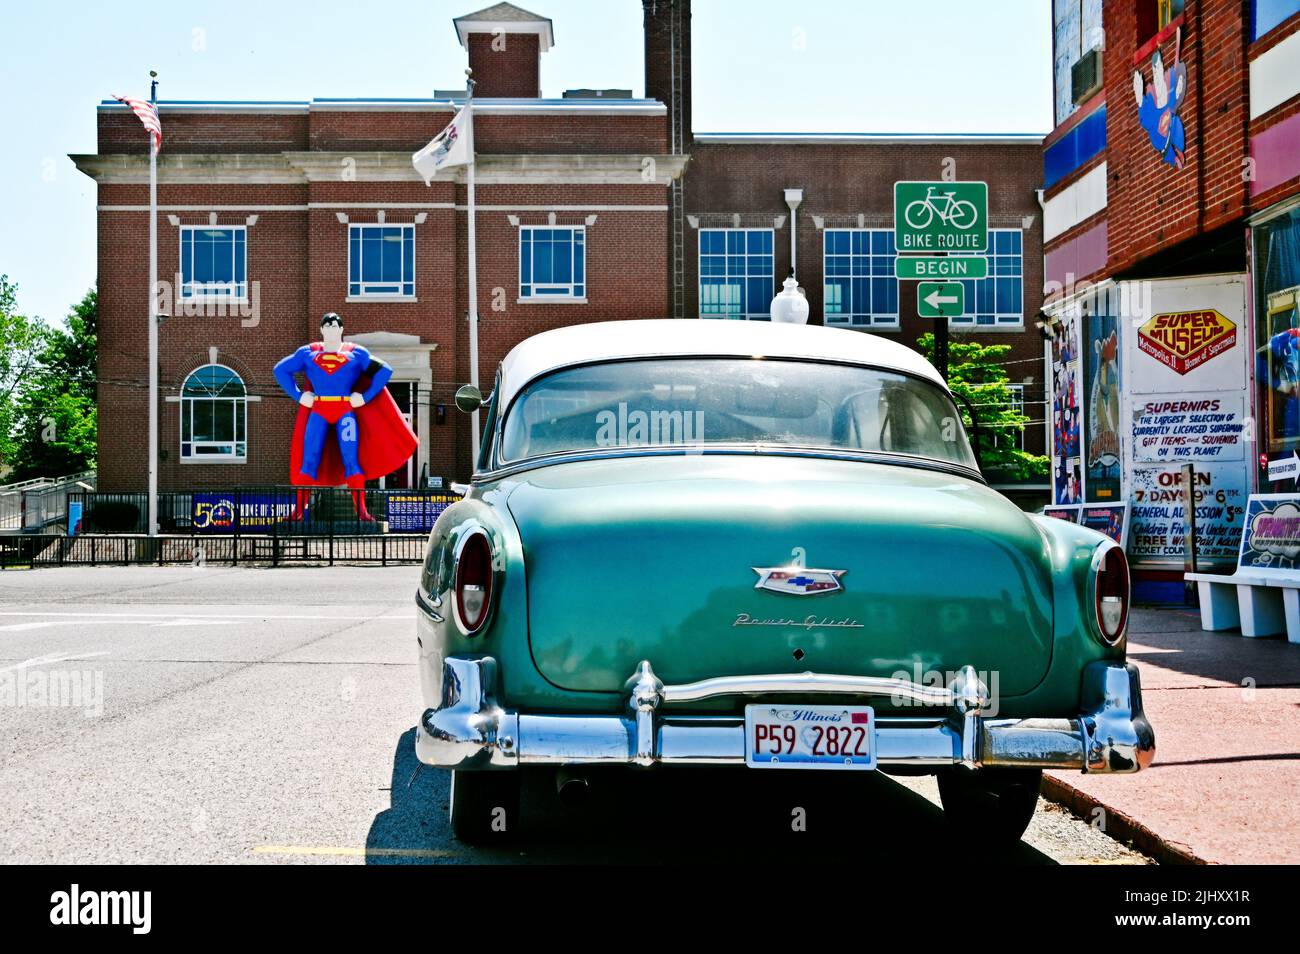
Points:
point(790, 307)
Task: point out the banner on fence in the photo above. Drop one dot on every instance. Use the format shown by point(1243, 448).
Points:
point(242, 513)
point(416, 512)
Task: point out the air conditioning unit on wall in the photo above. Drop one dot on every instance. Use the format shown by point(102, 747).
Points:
point(1085, 76)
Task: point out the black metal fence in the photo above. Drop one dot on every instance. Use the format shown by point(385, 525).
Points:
point(261, 511)
point(42, 550)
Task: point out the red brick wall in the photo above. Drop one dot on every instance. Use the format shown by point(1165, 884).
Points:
point(187, 132)
point(277, 257)
point(1152, 205)
point(507, 65)
point(299, 260)
point(371, 130)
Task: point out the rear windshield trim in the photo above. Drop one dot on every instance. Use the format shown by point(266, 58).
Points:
point(729, 450)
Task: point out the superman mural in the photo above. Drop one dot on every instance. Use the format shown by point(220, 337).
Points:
point(1158, 104)
point(349, 428)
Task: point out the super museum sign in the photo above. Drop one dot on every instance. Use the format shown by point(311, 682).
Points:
point(1185, 340)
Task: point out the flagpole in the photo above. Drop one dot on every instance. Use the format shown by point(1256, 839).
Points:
point(153, 318)
point(473, 286)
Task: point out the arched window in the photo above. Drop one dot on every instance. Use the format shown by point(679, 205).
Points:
point(214, 415)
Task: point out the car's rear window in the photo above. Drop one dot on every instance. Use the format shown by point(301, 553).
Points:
point(667, 402)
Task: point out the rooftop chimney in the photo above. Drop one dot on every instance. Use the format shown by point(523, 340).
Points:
point(505, 46)
point(668, 64)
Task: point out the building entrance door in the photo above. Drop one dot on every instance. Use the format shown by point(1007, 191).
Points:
point(405, 393)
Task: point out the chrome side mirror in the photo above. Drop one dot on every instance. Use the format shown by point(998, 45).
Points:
point(468, 398)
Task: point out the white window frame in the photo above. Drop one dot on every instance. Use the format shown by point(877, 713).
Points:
point(566, 291)
point(235, 292)
point(890, 320)
point(362, 294)
point(700, 276)
point(186, 410)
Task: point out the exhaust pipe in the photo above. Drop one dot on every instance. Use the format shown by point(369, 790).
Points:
point(572, 790)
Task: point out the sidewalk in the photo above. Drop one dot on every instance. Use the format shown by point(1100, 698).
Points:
point(1226, 712)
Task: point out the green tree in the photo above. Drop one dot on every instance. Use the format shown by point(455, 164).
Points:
point(977, 374)
point(52, 423)
point(22, 340)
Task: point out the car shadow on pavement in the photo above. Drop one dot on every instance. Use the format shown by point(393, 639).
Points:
point(682, 815)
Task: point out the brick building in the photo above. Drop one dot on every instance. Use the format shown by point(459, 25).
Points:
point(273, 213)
point(1172, 180)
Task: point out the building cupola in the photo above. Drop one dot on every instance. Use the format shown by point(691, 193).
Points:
point(505, 46)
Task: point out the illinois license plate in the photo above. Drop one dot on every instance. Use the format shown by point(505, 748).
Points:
point(810, 737)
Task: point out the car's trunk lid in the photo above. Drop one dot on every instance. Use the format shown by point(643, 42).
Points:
point(654, 558)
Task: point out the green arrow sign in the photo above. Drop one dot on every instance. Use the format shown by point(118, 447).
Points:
point(941, 217)
point(940, 299)
point(912, 267)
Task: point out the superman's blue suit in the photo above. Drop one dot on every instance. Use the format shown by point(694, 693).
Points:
point(1279, 365)
point(332, 376)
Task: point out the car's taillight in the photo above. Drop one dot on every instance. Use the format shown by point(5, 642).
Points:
point(474, 582)
point(1112, 594)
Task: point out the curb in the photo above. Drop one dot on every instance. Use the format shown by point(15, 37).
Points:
point(1121, 827)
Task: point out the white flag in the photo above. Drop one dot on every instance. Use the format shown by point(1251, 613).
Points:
point(454, 146)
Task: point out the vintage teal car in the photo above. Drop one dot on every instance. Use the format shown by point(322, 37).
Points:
point(752, 544)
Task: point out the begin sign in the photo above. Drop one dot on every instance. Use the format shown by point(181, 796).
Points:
point(913, 267)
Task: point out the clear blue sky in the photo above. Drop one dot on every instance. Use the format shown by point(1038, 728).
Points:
point(759, 65)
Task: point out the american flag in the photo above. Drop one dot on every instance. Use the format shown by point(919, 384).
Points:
point(148, 114)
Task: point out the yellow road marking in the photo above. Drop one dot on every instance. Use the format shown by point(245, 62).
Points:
point(353, 852)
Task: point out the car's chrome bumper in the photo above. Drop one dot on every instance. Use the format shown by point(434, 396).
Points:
point(468, 730)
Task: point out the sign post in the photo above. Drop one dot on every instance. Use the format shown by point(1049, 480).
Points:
point(1189, 532)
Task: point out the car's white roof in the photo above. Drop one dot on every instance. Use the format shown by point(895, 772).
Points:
point(667, 337)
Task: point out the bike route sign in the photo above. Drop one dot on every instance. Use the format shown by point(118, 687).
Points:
point(941, 217)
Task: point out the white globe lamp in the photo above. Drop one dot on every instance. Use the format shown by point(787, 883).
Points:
point(790, 307)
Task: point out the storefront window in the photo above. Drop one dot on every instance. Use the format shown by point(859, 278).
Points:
point(1277, 357)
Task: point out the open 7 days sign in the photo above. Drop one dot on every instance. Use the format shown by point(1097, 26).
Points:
point(1183, 341)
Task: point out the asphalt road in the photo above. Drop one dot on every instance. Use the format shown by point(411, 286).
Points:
point(222, 714)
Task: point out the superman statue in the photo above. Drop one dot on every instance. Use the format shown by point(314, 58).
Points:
point(345, 397)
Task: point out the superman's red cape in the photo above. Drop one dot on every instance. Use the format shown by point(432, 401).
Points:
point(386, 443)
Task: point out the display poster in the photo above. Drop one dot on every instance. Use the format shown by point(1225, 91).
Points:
point(1109, 519)
point(1277, 376)
point(1062, 513)
point(1271, 541)
point(1067, 465)
point(1102, 370)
